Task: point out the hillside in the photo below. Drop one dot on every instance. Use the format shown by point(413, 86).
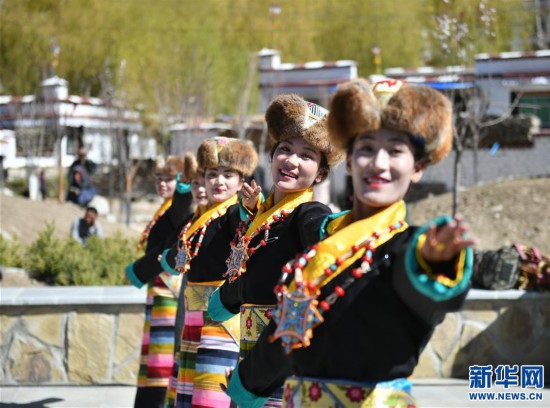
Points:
point(499, 213)
point(23, 219)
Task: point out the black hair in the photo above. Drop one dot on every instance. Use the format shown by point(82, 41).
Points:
point(92, 209)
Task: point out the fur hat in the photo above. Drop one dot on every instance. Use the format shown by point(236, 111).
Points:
point(354, 110)
point(420, 111)
point(384, 90)
point(190, 168)
point(291, 116)
point(171, 166)
point(426, 115)
point(233, 153)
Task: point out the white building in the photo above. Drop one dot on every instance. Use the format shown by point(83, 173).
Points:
point(55, 122)
point(505, 76)
point(501, 78)
point(315, 81)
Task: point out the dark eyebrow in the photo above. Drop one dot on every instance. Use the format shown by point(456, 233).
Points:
point(311, 149)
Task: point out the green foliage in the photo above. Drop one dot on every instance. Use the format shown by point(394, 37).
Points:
point(18, 186)
point(190, 57)
point(63, 261)
point(11, 253)
point(509, 28)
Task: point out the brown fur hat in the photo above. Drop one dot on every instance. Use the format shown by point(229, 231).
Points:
point(233, 153)
point(424, 113)
point(291, 116)
point(420, 111)
point(190, 168)
point(171, 166)
point(354, 110)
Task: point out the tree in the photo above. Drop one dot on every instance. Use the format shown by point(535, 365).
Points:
point(458, 39)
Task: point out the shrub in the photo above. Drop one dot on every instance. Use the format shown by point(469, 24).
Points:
point(11, 253)
point(20, 186)
point(63, 261)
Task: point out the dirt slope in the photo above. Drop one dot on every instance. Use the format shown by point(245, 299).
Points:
point(499, 214)
point(24, 219)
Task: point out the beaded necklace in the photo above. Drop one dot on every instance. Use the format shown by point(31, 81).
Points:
point(197, 226)
point(256, 225)
point(184, 256)
point(145, 234)
point(299, 310)
point(240, 252)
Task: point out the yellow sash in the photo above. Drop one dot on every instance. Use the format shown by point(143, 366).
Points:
point(165, 206)
point(214, 211)
point(345, 235)
point(267, 210)
point(297, 313)
point(161, 210)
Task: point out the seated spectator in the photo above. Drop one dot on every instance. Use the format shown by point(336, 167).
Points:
point(81, 191)
point(82, 161)
point(86, 226)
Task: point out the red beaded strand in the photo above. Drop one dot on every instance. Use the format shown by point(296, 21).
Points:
point(296, 266)
point(240, 252)
point(184, 242)
point(265, 228)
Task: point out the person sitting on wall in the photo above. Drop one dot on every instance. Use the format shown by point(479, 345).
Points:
point(81, 191)
point(87, 226)
point(84, 162)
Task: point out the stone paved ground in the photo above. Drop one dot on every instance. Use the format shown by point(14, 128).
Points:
point(429, 393)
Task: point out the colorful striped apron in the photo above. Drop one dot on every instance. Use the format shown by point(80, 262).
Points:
point(157, 349)
point(254, 319)
point(207, 349)
point(307, 392)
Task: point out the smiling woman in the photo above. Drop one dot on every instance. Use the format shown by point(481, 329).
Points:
point(296, 165)
point(284, 224)
point(356, 308)
point(206, 349)
point(382, 166)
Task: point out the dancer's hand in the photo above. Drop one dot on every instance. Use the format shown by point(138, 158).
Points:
point(251, 195)
point(443, 243)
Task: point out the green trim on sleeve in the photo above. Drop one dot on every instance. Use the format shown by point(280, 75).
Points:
point(181, 187)
point(323, 230)
point(131, 275)
point(244, 212)
point(239, 394)
point(165, 265)
point(216, 309)
point(421, 281)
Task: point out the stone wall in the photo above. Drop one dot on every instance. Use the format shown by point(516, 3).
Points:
point(494, 327)
point(92, 335)
point(76, 335)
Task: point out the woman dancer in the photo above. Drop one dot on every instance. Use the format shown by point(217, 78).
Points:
point(157, 348)
point(286, 223)
point(207, 348)
point(356, 309)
